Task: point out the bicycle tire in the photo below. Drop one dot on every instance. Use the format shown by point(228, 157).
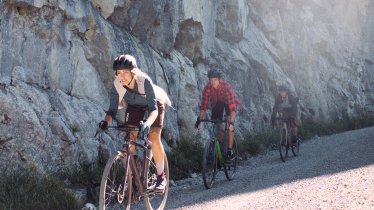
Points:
point(296, 149)
point(115, 175)
point(209, 169)
point(283, 144)
point(154, 200)
point(230, 170)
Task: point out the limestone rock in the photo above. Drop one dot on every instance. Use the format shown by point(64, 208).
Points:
point(56, 58)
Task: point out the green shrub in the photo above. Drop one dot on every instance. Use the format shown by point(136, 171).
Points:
point(312, 128)
point(87, 175)
point(185, 158)
point(361, 122)
point(90, 178)
point(74, 128)
point(28, 189)
point(256, 143)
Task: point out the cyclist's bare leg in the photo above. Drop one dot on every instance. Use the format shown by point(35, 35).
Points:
point(230, 134)
point(157, 148)
point(230, 138)
point(132, 136)
point(294, 126)
point(295, 130)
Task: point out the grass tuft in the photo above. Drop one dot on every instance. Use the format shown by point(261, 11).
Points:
point(28, 189)
point(256, 143)
point(310, 128)
point(185, 158)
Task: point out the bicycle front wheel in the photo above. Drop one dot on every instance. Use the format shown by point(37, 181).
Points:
point(209, 164)
point(116, 184)
point(154, 199)
point(283, 144)
point(230, 170)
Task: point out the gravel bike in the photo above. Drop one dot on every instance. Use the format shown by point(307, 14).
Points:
point(130, 178)
point(285, 139)
point(213, 159)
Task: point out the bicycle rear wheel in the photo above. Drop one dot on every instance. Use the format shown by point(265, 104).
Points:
point(230, 170)
point(209, 164)
point(296, 148)
point(153, 199)
point(116, 184)
point(283, 144)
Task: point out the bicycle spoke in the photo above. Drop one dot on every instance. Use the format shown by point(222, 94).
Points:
point(154, 199)
point(283, 145)
point(115, 190)
point(121, 185)
point(230, 170)
point(209, 164)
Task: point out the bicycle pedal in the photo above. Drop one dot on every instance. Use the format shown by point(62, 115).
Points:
point(154, 191)
point(151, 188)
point(159, 192)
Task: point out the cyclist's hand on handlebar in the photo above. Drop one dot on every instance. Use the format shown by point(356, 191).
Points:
point(144, 128)
point(230, 126)
point(197, 123)
point(103, 125)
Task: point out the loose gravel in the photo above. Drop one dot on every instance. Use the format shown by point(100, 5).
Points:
point(331, 172)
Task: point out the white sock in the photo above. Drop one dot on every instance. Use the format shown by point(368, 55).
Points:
point(160, 168)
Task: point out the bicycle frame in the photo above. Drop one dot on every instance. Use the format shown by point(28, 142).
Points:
point(129, 178)
point(213, 159)
point(213, 136)
point(286, 124)
point(140, 179)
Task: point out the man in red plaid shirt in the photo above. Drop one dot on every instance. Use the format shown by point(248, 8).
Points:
point(221, 97)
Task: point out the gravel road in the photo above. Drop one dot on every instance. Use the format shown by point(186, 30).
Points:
point(332, 172)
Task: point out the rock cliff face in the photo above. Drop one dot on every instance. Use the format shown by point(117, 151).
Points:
point(56, 57)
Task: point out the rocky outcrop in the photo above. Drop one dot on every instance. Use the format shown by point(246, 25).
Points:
point(189, 40)
point(55, 65)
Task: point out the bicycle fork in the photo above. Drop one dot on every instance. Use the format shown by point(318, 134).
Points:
point(218, 151)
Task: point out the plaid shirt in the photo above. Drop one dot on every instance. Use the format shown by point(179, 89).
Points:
point(224, 93)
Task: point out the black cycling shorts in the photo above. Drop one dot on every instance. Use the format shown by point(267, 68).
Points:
point(218, 109)
point(135, 114)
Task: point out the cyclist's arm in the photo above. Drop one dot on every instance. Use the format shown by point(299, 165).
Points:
point(202, 114)
point(232, 116)
point(293, 102)
point(152, 102)
point(109, 119)
point(113, 107)
point(231, 101)
point(275, 107)
point(204, 102)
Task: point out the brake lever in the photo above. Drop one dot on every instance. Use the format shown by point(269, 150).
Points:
point(99, 131)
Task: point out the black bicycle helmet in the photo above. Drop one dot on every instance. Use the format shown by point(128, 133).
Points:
point(283, 88)
point(214, 73)
point(124, 62)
